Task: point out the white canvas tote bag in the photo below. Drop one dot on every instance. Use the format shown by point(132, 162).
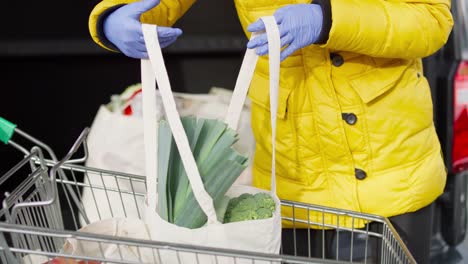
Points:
point(253, 235)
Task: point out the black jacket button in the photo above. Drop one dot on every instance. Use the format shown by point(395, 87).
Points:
point(336, 59)
point(350, 118)
point(360, 174)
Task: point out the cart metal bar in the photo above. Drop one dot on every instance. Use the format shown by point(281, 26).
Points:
point(13, 170)
point(35, 222)
point(36, 142)
point(340, 212)
point(29, 230)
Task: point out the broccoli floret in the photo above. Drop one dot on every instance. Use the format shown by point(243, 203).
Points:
point(263, 213)
point(264, 200)
point(246, 204)
point(249, 207)
point(242, 216)
point(234, 201)
point(245, 196)
point(261, 195)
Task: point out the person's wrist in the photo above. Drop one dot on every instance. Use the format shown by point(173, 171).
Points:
point(317, 20)
point(325, 7)
point(103, 29)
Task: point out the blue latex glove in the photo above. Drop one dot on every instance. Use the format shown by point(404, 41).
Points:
point(299, 26)
point(123, 28)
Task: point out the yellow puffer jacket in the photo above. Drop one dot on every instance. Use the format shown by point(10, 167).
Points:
point(355, 128)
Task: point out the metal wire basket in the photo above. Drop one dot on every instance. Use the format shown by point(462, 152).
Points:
point(55, 198)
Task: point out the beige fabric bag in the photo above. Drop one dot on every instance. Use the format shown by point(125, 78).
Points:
point(256, 235)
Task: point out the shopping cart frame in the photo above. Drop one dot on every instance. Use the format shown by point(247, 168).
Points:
point(22, 228)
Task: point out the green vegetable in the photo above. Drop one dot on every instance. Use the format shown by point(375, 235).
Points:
point(246, 204)
point(250, 207)
point(218, 163)
point(163, 167)
point(263, 213)
point(242, 216)
point(264, 200)
point(221, 207)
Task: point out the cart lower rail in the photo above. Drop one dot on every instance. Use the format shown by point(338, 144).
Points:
point(42, 215)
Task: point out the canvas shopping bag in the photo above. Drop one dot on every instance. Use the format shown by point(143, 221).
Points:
point(255, 235)
point(115, 140)
point(102, 249)
point(115, 143)
point(117, 227)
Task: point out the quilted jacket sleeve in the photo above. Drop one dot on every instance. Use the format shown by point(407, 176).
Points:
point(389, 29)
point(165, 14)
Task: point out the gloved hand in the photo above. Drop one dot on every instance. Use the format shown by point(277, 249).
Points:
point(123, 28)
point(299, 26)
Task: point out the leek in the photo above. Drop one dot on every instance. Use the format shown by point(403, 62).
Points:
point(219, 165)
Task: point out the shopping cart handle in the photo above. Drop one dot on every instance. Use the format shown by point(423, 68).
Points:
point(6, 130)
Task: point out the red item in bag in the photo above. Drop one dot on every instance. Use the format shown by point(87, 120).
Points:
point(70, 261)
point(128, 110)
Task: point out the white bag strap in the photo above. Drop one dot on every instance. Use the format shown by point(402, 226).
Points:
point(242, 87)
point(243, 83)
point(173, 117)
point(150, 132)
point(274, 51)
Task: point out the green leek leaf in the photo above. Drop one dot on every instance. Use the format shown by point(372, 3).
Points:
point(218, 163)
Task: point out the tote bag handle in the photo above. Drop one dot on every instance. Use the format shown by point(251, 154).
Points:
point(154, 68)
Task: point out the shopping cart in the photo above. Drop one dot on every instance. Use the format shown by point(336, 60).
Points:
point(52, 199)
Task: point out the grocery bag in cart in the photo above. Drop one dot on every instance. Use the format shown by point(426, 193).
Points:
point(253, 235)
point(115, 143)
point(35, 231)
point(116, 136)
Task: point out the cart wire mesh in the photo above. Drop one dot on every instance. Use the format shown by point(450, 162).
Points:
point(43, 214)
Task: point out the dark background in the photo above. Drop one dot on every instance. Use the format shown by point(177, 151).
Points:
point(54, 77)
